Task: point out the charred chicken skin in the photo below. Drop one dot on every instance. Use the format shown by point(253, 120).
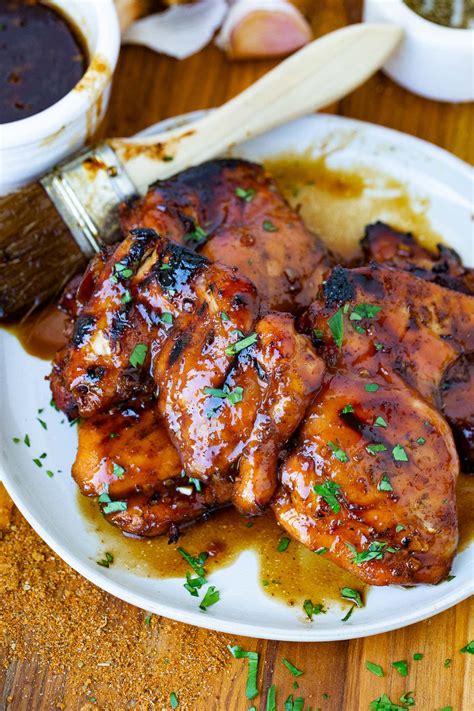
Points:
point(372, 477)
point(231, 212)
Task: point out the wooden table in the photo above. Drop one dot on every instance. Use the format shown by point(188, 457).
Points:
point(148, 88)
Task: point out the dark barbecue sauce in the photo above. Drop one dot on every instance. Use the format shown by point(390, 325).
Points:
point(42, 57)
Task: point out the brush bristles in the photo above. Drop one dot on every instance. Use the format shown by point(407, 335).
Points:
point(38, 255)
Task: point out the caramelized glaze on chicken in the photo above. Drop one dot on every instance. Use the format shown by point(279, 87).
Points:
point(232, 212)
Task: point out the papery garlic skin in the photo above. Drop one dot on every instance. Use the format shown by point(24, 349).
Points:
point(256, 29)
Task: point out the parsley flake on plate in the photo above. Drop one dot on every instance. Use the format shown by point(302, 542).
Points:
point(105, 562)
point(311, 609)
point(283, 544)
point(210, 598)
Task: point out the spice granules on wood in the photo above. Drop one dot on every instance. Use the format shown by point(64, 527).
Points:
point(111, 655)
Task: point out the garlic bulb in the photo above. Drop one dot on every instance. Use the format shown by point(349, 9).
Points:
point(263, 28)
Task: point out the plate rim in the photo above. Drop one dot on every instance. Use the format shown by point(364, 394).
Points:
point(209, 621)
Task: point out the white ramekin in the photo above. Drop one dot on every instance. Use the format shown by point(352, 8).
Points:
point(31, 146)
point(433, 61)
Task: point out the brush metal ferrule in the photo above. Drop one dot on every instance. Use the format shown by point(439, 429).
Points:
point(86, 192)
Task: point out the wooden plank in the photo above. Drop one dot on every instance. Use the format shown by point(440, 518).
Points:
point(148, 88)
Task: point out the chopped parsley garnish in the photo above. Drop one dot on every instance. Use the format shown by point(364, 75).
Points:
point(380, 422)
point(127, 297)
point(271, 699)
point(138, 355)
point(421, 440)
point(168, 158)
point(318, 334)
point(164, 266)
point(417, 656)
point(42, 423)
point(328, 492)
point(233, 396)
point(399, 527)
point(115, 507)
point(374, 668)
point(291, 667)
point(174, 700)
point(237, 652)
point(192, 585)
point(148, 619)
point(247, 194)
point(224, 316)
point(408, 699)
point(375, 551)
point(166, 317)
point(196, 235)
point(338, 452)
point(447, 663)
point(375, 448)
point(283, 544)
point(49, 473)
point(312, 609)
point(196, 563)
point(347, 408)
point(371, 387)
point(399, 453)
point(27, 441)
point(469, 648)
point(378, 346)
point(196, 482)
point(401, 667)
point(269, 226)
point(322, 550)
point(121, 270)
point(16, 440)
point(105, 562)
point(383, 703)
point(384, 484)
point(351, 594)
point(38, 462)
point(294, 705)
point(210, 598)
point(364, 311)
point(336, 325)
point(240, 345)
point(117, 470)
point(348, 614)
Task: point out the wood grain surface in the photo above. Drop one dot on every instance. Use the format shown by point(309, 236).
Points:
point(147, 88)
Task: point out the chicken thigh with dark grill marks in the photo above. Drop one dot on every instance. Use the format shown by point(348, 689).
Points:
point(232, 212)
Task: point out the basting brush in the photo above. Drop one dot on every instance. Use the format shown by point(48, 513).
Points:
point(49, 229)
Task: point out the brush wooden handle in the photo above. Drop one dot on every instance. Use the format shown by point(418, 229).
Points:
point(320, 73)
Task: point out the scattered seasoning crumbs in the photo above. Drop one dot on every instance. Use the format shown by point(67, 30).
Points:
point(283, 544)
point(401, 667)
point(338, 452)
point(237, 652)
point(291, 667)
point(374, 668)
point(117, 470)
point(269, 226)
point(399, 453)
point(336, 325)
point(417, 656)
point(105, 562)
point(328, 492)
point(371, 387)
point(138, 355)
point(312, 609)
point(240, 345)
point(271, 699)
point(174, 700)
point(384, 484)
point(247, 194)
point(469, 648)
point(351, 594)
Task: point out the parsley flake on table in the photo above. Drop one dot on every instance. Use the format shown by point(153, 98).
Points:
point(336, 325)
point(174, 700)
point(271, 699)
point(240, 345)
point(291, 667)
point(417, 656)
point(294, 704)
point(338, 452)
point(328, 492)
point(237, 652)
point(138, 355)
point(469, 648)
point(447, 663)
point(374, 668)
point(401, 667)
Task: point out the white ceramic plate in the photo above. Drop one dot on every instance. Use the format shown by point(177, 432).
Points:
point(50, 504)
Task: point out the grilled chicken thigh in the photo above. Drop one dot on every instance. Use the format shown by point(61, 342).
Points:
point(231, 212)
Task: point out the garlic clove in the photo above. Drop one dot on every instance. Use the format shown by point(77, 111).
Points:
point(179, 31)
point(263, 28)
